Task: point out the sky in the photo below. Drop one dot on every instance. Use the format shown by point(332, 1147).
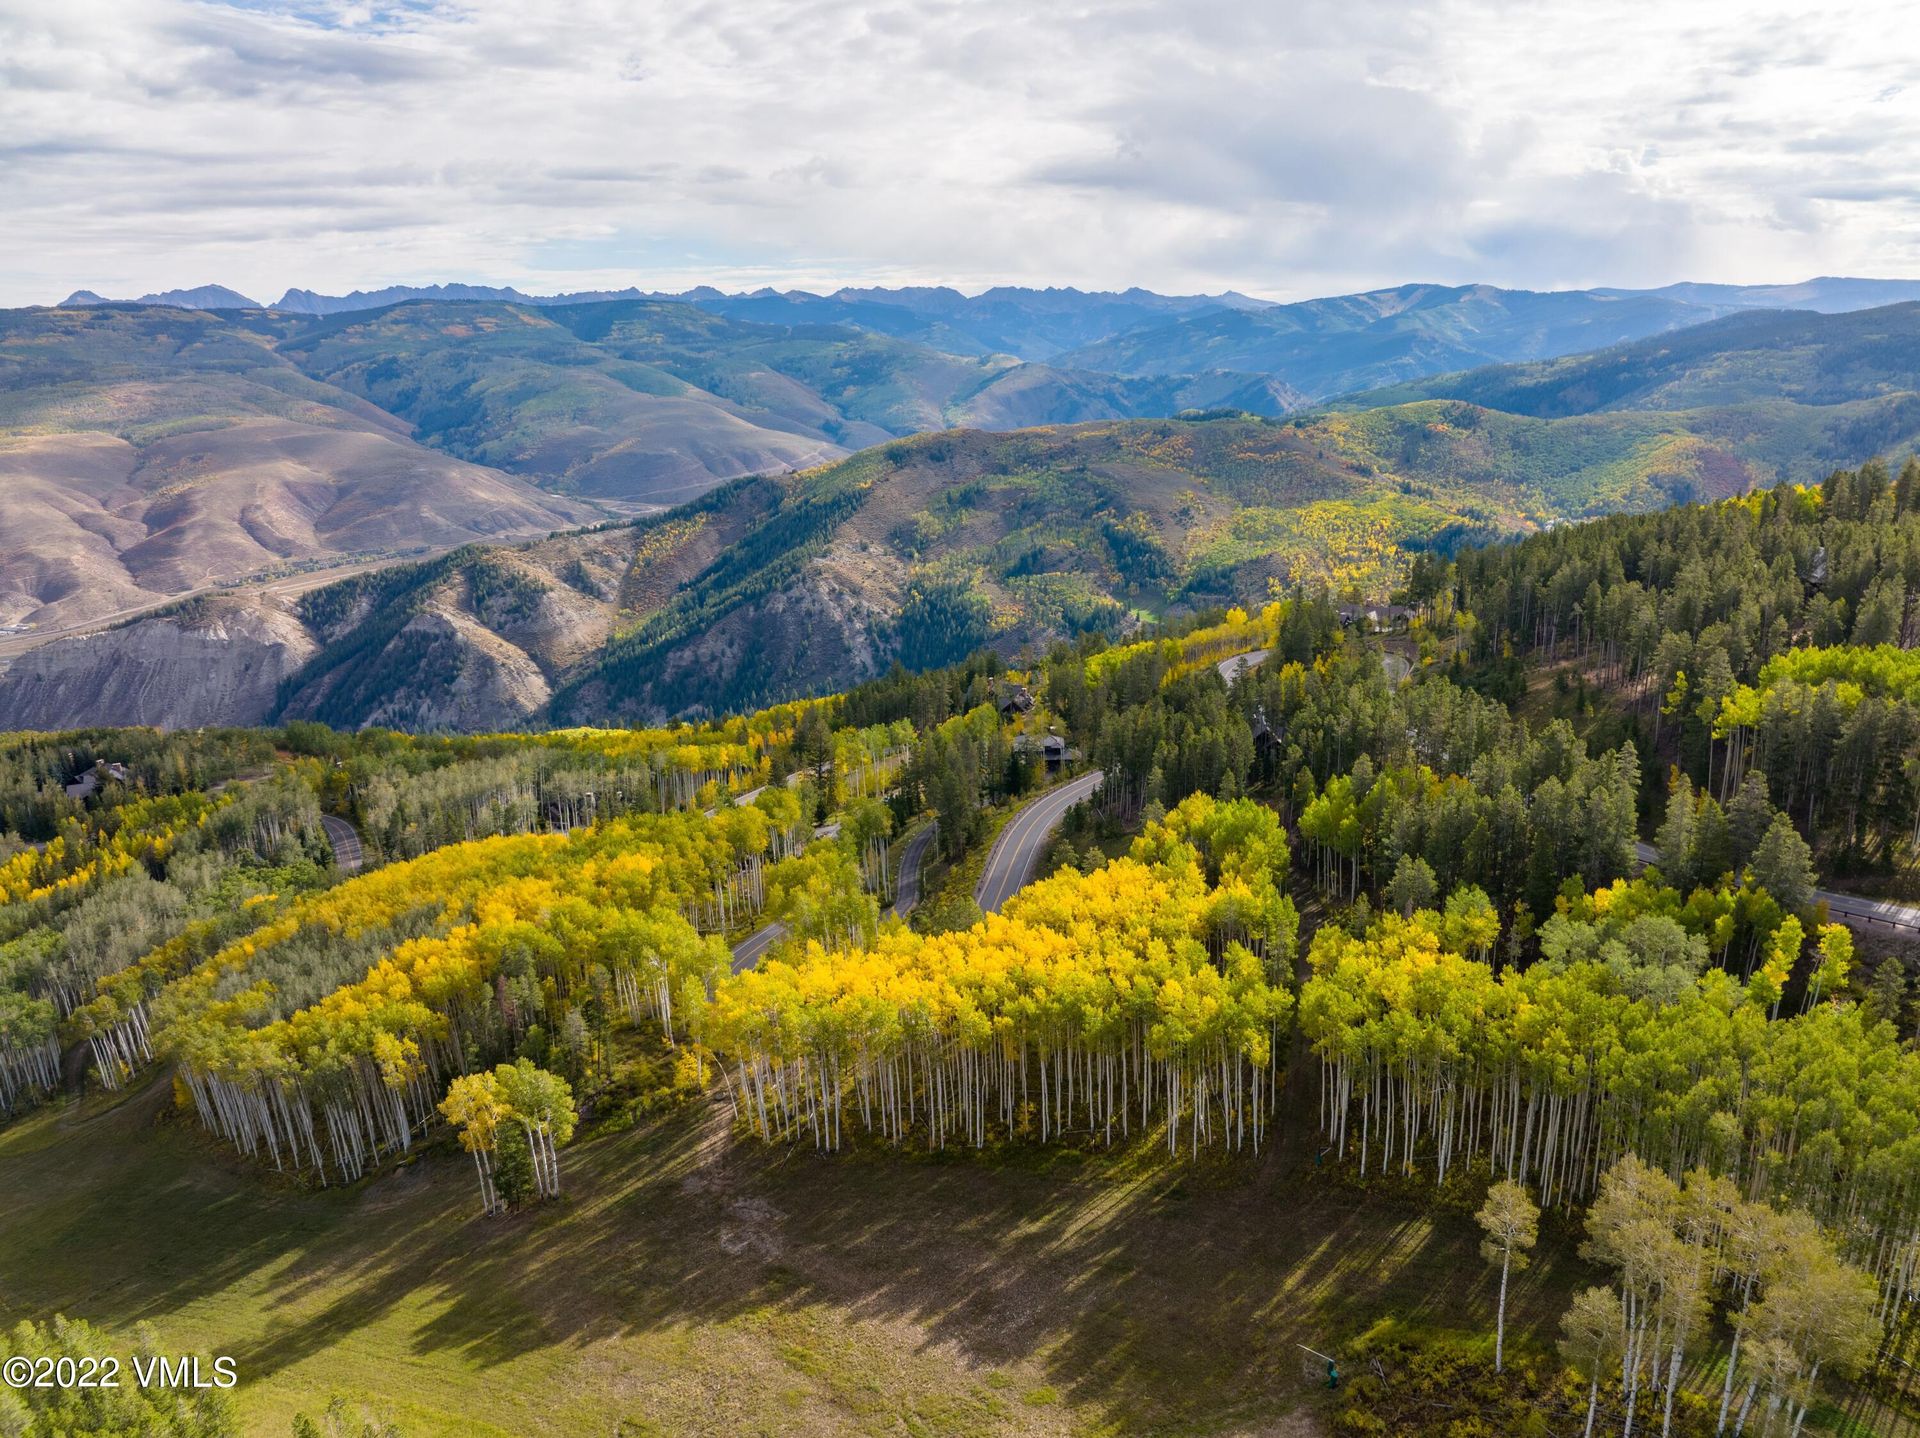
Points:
point(1282, 149)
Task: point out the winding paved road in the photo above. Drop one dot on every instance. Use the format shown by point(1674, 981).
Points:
point(750, 950)
point(912, 859)
point(1009, 863)
point(1902, 919)
point(1233, 664)
point(347, 852)
point(1017, 849)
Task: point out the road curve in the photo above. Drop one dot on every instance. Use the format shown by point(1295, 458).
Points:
point(1017, 849)
point(750, 950)
point(1231, 667)
point(347, 853)
point(912, 858)
point(1851, 909)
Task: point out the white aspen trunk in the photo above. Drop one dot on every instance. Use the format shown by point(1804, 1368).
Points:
point(1800, 1416)
point(1500, 1319)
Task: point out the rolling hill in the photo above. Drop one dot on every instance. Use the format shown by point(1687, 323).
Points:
point(1333, 346)
point(655, 400)
point(1797, 357)
point(152, 448)
point(1751, 399)
point(918, 551)
point(922, 549)
point(149, 451)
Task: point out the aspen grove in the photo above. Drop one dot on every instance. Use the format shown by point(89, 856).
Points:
point(1627, 1045)
point(1150, 992)
point(323, 1039)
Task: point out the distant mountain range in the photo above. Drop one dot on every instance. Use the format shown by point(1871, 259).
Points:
point(151, 450)
point(157, 449)
point(1026, 323)
point(780, 584)
point(204, 297)
point(1318, 348)
point(1332, 347)
point(649, 400)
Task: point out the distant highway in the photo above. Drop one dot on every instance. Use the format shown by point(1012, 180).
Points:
point(347, 852)
point(912, 859)
point(1903, 919)
point(1011, 860)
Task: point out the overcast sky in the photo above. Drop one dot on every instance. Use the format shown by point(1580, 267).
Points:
point(1283, 149)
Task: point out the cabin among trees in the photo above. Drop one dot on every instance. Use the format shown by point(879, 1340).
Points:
point(1375, 618)
point(1011, 699)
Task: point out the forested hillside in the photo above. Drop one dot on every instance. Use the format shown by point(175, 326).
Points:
point(1460, 857)
point(161, 447)
point(193, 449)
point(1765, 644)
point(152, 449)
point(1767, 357)
point(1325, 922)
point(651, 400)
point(921, 550)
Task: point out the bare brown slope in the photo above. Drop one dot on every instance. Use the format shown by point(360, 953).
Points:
point(92, 524)
point(145, 453)
point(218, 660)
point(480, 638)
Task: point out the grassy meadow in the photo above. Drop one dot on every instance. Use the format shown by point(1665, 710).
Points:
point(691, 1283)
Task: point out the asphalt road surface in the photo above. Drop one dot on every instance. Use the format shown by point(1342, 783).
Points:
point(1234, 663)
point(1017, 849)
point(751, 949)
point(1903, 919)
point(912, 859)
point(347, 852)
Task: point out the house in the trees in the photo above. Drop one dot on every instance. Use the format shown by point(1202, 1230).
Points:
point(1266, 739)
point(85, 786)
point(1050, 748)
point(1011, 699)
point(1376, 617)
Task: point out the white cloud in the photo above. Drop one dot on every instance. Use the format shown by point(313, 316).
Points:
point(1284, 150)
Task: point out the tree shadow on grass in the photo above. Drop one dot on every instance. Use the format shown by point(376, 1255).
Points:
point(1157, 1291)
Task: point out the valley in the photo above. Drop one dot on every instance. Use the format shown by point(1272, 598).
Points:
point(158, 452)
point(913, 550)
point(959, 721)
